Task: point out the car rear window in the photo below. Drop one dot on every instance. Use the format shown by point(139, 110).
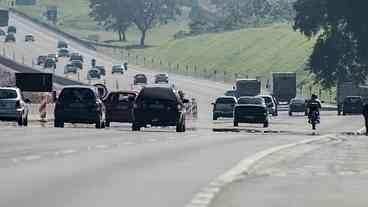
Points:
point(77, 95)
point(225, 101)
point(8, 94)
point(256, 101)
point(298, 101)
point(353, 100)
point(157, 94)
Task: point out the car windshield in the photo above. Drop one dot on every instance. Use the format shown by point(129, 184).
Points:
point(8, 94)
point(251, 100)
point(225, 101)
point(77, 95)
point(298, 101)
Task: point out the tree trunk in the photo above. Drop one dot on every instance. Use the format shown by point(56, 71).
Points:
point(120, 35)
point(124, 36)
point(143, 37)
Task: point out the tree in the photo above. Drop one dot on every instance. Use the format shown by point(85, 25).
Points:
point(147, 13)
point(112, 15)
point(340, 52)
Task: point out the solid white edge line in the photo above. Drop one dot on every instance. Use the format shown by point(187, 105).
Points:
point(205, 197)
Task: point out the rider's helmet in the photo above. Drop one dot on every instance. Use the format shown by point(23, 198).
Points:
point(181, 94)
point(314, 97)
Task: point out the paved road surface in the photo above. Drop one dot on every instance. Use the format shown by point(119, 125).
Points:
point(83, 166)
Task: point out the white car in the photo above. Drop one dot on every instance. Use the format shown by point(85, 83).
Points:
point(13, 107)
point(271, 104)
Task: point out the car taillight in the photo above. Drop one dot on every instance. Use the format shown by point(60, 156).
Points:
point(17, 104)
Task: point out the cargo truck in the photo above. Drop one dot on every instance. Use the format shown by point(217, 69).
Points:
point(348, 88)
point(247, 87)
point(283, 86)
point(4, 17)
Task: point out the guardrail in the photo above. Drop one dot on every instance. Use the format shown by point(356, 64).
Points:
point(26, 69)
point(53, 28)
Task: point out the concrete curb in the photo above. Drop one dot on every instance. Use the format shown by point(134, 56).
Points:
point(206, 196)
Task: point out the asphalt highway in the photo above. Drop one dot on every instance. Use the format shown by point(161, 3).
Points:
point(82, 166)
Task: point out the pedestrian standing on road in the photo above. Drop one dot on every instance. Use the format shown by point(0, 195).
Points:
point(365, 114)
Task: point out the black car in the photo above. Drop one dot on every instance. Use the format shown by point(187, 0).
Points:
point(79, 104)
point(29, 38)
point(140, 79)
point(77, 63)
point(251, 113)
point(352, 105)
point(41, 59)
point(161, 78)
point(62, 44)
point(49, 63)
point(10, 38)
point(298, 105)
point(159, 106)
point(12, 29)
point(76, 56)
point(102, 70)
point(224, 107)
point(53, 56)
point(63, 52)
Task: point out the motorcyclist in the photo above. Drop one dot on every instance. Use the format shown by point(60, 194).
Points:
point(365, 114)
point(314, 105)
point(181, 95)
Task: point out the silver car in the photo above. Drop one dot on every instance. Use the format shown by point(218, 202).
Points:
point(70, 68)
point(13, 107)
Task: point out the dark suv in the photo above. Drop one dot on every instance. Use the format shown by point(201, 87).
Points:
point(352, 105)
point(79, 104)
point(159, 106)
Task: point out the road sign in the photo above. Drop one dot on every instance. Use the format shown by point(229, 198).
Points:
point(51, 13)
point(34, 82)
point(25, 2)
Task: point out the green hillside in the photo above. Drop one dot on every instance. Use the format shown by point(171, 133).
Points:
point(253, 52)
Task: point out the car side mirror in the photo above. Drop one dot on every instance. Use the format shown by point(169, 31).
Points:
point(185, 101)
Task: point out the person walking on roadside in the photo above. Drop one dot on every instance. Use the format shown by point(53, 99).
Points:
point(365, 114)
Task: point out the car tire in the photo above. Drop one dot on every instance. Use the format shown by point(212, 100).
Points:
point(290, 113)
point(135, 127)
point(344, 113)
point(179, 126)
point(58, 124)
point(236, 123)
point(107, 123)
point(214, 117)
point(266, 124)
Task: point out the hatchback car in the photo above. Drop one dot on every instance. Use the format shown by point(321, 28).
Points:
point(102, 69)
point(76, 56)
point(352, 105)
point(252, 110)
point(63, 52)
point(49, 63)
point(41, 59)
point(119, 107)
point(93, 74)
point(159, 106)
point(117, 69)
point(79, 104)
point(140, 79)
point(69, 68)
point(10, 38)
point(13, 107)
point(29, 38)
point(224, 107)
point(62, 44)
point(230, 93)
point(162, 78)
point(298, 105)
point(77, 63)
point(53, 56)
point(271, 104)
point(12, 29)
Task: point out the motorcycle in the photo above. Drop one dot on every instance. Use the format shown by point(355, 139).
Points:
point(314, 119)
